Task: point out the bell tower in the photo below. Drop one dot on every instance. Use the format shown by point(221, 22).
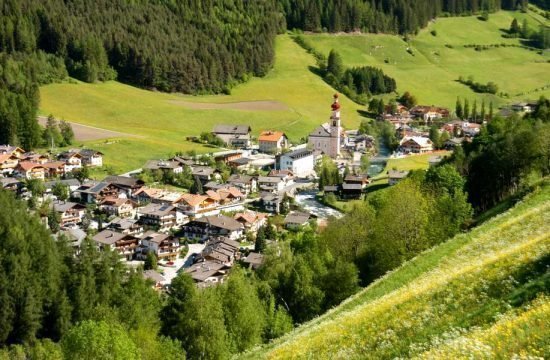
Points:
point(335, 128)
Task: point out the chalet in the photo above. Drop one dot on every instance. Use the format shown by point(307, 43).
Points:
point(198, 205)
point(118, 207)
point(147, 195)
point(10, 184)
point(245, 183)
point(8, 163)
point(207, 272)
point(93, 192)
point(163, 217)
point(35, 158)
point(295, 220)
point(91, 158)
point(271, 202)
point(54, 169)
point(364, 143)
point(228, 156)
point(72, 160)
point(300, 162)
point(362, 180)
point(242, 163)
point(183, 160)
point(253, 260)
point(173, 167)
point(223, 251)
point(251, 220)
point(126, 245)
point(429, 113)
point(331, 189)
point(71, 213)
point(205, 173)
point(237, 136)
point(126, 226)
point(30, 170)
point(213, 226)
point(272, 142)
point(127, 184)
point(272, 184)
point(416, 144)
point(164, 246)
point(394, 176)
point(352, 190)
point(11, 150)
point(285, 175)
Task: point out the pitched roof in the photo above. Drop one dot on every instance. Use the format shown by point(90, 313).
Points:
point(322, 130)
point(250, 217)
point(231, 129)
point(125, 181)
point(62, 206)
point(254, 259)
point(298, 154)
point(271, 136)
point(54, 164)
point(161, 164)
point(420, 140)
point(221, 221)
point(4, 157)
point(153, 275)
point(296, 217)
point(269, 179)
point(352, 186)
point(204, 270)
point(109, 237)
point(156, 209)
point(193, 199)
point(239, 179)
point(27, 165)
point(155, 237)
point(396, 174)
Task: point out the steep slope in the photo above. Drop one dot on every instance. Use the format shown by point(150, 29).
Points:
point(478, 295)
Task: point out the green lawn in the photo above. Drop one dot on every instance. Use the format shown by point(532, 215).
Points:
point(432, 72)
point(163, 123)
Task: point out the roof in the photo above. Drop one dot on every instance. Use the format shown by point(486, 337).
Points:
point(249, 216)
point(109, 237)
point(4, 157)
point(27, 165)
point(322, 130)
point(204, 270)
point(150, 192)
point(269, 179)
point(352, 186)
point(10, 149)
point(221, 221)
point(116, 201)
point(420, 140)
point(356, 178)
point(54, 164)
point(298, 154)
point(153, 275)
point(69, 154)
point(232, 129)
point(330, 188)
point(68, 182)
point(254, 259)
point(156, 209)
point(241, 161)
point(161, 164)
point(90, 152)
point(202, 170)
point(97, 188)
point(193, 199)
point(280, 173)
point(239, 179)
point(271, 136)
point(296, 217)
point(396, 174)
point(75, 235)
point(62, 206)
point(123, 223)
point(155, 237)
point(125, 181)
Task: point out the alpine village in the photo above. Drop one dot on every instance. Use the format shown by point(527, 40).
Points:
point(274, 179)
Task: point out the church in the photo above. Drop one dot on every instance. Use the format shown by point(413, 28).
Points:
point(327, 137)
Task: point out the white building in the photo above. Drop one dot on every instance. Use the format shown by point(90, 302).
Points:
point(327, 137)
point(272, 142)
point(300, 162)
point(416, 144)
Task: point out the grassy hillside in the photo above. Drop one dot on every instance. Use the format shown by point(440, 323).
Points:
point(438, 61)
point(294, 100)
point(471, 297)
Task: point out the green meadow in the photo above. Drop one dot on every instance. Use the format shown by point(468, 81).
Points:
point(290, 98)
point(436, 62)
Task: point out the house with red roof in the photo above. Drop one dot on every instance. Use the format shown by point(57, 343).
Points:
point(272, 142)
point(30, 170)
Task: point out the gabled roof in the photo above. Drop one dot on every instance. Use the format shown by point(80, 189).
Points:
point(269, 179)
point(321, 131)
point(396, 174)
point(271, 136)
point(352, 187)
point(54, 164)
point(62, 206)
point(161, 164)
point(109, 237)
point(10, 149)
point(221, 221)
point(193, 199)
point(420, 140)
point(156, 209)
point(296, 217)
point(153, 275)
point(4, 157)
point(124, 181)
point(240, 179)
point(232, 129)
point(155, 237)
point(298, 154)
point(27, 165)
point(250, 217)
point(89, 152)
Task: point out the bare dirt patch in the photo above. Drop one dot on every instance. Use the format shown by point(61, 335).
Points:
point(85, 132)
point(260, 105)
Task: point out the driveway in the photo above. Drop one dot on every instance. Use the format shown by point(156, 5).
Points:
point(171, 272)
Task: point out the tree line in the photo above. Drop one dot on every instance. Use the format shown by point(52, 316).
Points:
point(387, 16)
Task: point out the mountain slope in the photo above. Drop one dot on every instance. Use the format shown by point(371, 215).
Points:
point(471, 296)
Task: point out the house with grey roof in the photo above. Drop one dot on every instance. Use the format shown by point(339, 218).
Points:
point(237, 136)
point(296, 219)
point(215, 226)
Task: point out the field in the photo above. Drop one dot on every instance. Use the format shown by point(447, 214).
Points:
point(438, 61)
point(290, 98)
point(473, 296)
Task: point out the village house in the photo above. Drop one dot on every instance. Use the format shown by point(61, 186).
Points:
point(164, 246)
point(362, 180)
point(286, 175)
point(71, 184)
point(128, 185)
point(72, 160)
point(523, 107)
point(163, 217)
point(251, 220)
point(272, 142)
point(271, 202)
point(154, 277)
point(8, 163)
point(35, 158)
point(227, 156)
point(207, 273)
point(71, 213)
point(429, 113)
point(146, 195)
point(118, 207)
point(55, 169)
point(126, 226)
point(74, 236)
point(237, 136)
point(165, 166)
point(296, 220)
point(416, 145)
point(126, 245)
point(272, 184)
point(208, 227)
point(223, 251)
point(327, 137)
point(11, 150)
point(229, 199)
point(470, 129)
point(30, 170)
point(205, 173)
point(253, 260)
point(96, 192)
point(196, 205)
point(394, 176)
point(91, 158)
point(300, 162)
point(245, 183)
point(351, 191)
point(10, 184)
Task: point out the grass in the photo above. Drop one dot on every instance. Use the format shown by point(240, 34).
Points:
point(432, 72)
point(163, 124)
point(448, 302)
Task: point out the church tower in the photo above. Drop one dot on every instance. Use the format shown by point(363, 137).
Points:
point(335, 129)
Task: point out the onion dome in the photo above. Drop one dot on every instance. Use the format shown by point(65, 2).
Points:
point(335, 105)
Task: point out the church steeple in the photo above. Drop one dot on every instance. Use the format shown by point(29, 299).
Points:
point(335, 128)
point(335, 117)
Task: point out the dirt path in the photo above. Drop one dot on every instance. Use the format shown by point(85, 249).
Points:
point(260, 105)
point(86, 132)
